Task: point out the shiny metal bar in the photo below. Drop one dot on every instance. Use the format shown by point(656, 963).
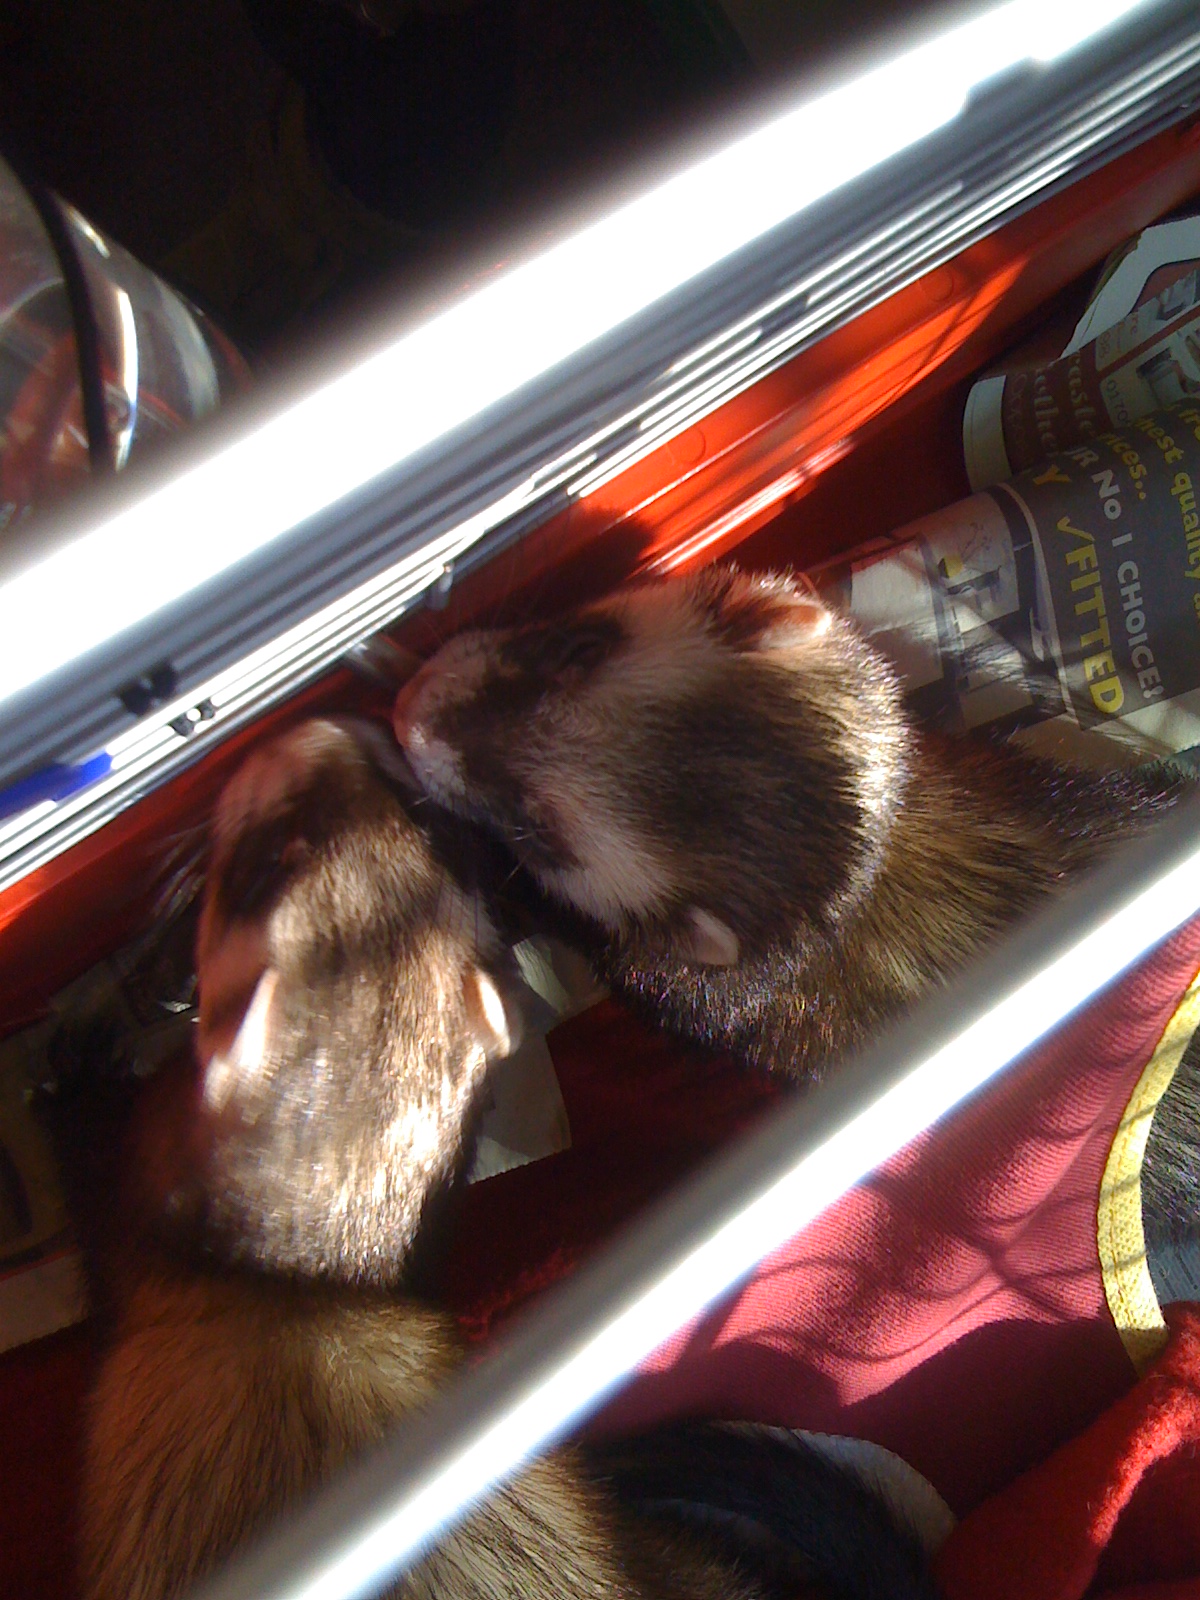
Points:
point(344, 504)
point(575, 1348)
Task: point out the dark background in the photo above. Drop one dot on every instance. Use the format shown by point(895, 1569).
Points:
point(277, 158)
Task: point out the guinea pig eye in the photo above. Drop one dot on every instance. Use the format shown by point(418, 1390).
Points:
point(576, 652)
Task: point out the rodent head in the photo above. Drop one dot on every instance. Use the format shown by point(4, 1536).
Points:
point(692, 763)
point(351, 996)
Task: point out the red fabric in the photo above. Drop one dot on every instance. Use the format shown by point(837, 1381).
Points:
point(950, 1308)
point(42, 1390)
point(1114, 1512)
point(642, 1114)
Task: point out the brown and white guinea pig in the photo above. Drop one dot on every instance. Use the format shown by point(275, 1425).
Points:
point(350, 1000)
point(352, 992)
point(720, 778)
point(351, 996)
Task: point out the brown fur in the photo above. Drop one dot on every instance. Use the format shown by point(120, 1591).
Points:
point(320, 1135)
point(767, 854)
point(226, 1396)
point(225, 1400)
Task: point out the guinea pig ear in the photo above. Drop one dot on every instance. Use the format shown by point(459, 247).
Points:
point(496, 1024)
point(767, 612)
point(240, 1065)
point(801, 616)
point(707, 941)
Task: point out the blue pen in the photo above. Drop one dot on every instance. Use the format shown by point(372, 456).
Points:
point(56, 782)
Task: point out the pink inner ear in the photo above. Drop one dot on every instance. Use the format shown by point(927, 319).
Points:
point(496, 1026)
point(242, 1063)
point(709, 941)
point(805, 618)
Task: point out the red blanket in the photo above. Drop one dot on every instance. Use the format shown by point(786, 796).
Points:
point(950, 1308)
point(1116, 1511)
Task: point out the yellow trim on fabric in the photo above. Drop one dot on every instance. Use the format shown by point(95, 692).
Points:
point(1128, 1286)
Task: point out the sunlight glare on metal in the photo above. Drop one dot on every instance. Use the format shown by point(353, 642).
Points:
point(129, 376)
point(350, 431)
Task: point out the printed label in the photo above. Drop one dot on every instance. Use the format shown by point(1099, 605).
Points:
point(1073, 591)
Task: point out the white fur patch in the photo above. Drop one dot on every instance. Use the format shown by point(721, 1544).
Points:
point(453, 675)
point(670, 649)
point(616, 877)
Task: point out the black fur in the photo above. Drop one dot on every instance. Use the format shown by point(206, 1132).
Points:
point(1170, 1184)
point(777, 1507)
point(765, 851)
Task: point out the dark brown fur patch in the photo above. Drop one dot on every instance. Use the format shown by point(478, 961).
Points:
point(786, 792)
point(326, 1159)
point(982, 837)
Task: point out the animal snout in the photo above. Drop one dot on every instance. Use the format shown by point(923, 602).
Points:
point(277, 771)
point(434, 763)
